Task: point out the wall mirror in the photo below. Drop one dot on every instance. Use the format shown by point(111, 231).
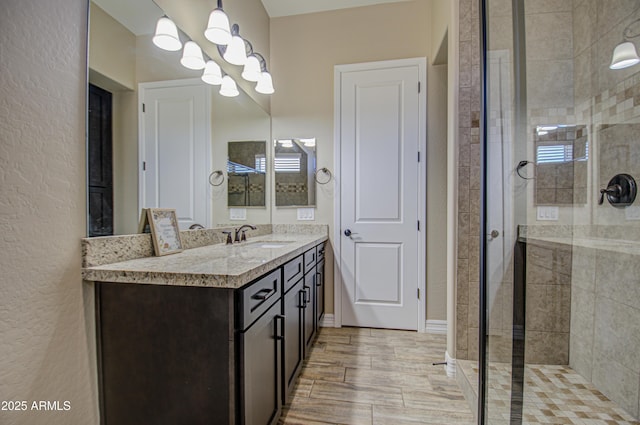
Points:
point(562, 154)
point(125, 67)
point(294, 164)
point(246, 172)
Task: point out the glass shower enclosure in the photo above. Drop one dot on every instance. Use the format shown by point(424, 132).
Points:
point(559, 297)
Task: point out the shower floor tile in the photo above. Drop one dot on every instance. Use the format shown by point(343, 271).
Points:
point(552, 395)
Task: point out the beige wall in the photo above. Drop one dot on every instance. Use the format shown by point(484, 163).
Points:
point(304, 51)
point(46, 313)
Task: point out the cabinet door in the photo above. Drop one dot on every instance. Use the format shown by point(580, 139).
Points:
point(293, 303)
point(319, 292)
point(262, 369)
point(309, 308)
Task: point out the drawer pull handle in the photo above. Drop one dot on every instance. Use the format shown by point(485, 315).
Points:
point(318, 280)
point(263, 294)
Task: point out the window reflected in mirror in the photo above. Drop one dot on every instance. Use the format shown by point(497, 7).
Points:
point(294, 163)
point(246, 171)
point(562, 154)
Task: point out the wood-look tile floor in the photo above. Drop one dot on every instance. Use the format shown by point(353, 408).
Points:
point(375, 377)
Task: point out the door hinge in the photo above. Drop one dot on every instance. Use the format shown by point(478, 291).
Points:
point(418, 225)
point(144, 109)
point(418, 293)
point(418, 156)
point(419, 86)
point(144, 165)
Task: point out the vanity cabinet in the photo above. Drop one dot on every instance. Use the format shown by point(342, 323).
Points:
point(199, 355)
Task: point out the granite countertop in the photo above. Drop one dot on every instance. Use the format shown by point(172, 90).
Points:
point(612, 245)
point(219, 265)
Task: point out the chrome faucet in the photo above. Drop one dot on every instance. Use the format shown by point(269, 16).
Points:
point(240, 229)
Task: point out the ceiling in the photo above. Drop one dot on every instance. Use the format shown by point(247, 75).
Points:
point(276, 8)
point(140, 16)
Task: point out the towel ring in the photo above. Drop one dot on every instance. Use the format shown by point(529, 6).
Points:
point(325, 171)
point(520, 166)
point(213, 177)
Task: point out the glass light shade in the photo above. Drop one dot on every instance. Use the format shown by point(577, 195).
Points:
point(166, 36)
point(235, 53)
point(228, 88)
point(212, 73)
point(192, 56)
point(265, 84)
point(624, 56)
point(251, 71)
point(218, 31)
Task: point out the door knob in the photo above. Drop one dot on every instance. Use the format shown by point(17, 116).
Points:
point(494, 234)
point(348, 233)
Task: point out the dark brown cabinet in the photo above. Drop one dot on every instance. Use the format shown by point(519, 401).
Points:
point(193, 355)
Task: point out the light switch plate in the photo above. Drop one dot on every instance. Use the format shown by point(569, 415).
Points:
point(547, 213)
point(237, 213)
point(306, 214)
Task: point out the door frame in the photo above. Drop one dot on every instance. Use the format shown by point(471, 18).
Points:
point(421, 63)
point(142, 88)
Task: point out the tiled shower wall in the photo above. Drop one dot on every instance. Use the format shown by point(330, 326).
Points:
point(468, 253)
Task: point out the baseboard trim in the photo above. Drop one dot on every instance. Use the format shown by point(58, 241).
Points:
point(436, 327)
point(450, 367)
point(327, 321)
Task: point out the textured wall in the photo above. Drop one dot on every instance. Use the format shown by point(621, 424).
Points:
point(46, 326)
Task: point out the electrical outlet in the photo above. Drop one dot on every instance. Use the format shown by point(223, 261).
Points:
point(237, 213)
point(548, 213)
point(306, 214)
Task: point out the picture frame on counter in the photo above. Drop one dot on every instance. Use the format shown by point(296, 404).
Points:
point(165, 231)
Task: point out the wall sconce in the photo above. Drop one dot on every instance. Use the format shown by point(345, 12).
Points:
point(192, 56)
point(625, 54)
point(228, 87)
point(212, 73)
point(218, 31)
point(166, 36)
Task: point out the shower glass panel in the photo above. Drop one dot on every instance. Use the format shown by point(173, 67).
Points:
point(560, 286)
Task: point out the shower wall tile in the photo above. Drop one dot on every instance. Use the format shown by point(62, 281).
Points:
point(610, 12)
point(616, 356)
point(582, 328)
point(547, 6)
point(462, 288)
point(550, 83)
point(618, 279)
point(549, 35)
point(546, 348)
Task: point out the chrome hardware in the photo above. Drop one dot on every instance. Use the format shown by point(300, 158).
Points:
point(494, 234)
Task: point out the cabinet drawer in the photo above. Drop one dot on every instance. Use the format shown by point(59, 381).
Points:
point(309, 260)
point(320, 252)
point(256, 298)
point(292, 272)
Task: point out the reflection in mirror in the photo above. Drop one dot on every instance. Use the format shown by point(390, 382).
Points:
point(121, 58)
point(246, 171)
point(562, 154)
point(294, 164)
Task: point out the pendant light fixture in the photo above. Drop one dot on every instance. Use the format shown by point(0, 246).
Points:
point(192, 56)
point(166, 36)
point(212, 73)
point(228, 87)
point(218, 31)
point(625, 54)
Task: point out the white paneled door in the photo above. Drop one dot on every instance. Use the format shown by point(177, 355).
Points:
point(380, 242)
point(175, 149)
